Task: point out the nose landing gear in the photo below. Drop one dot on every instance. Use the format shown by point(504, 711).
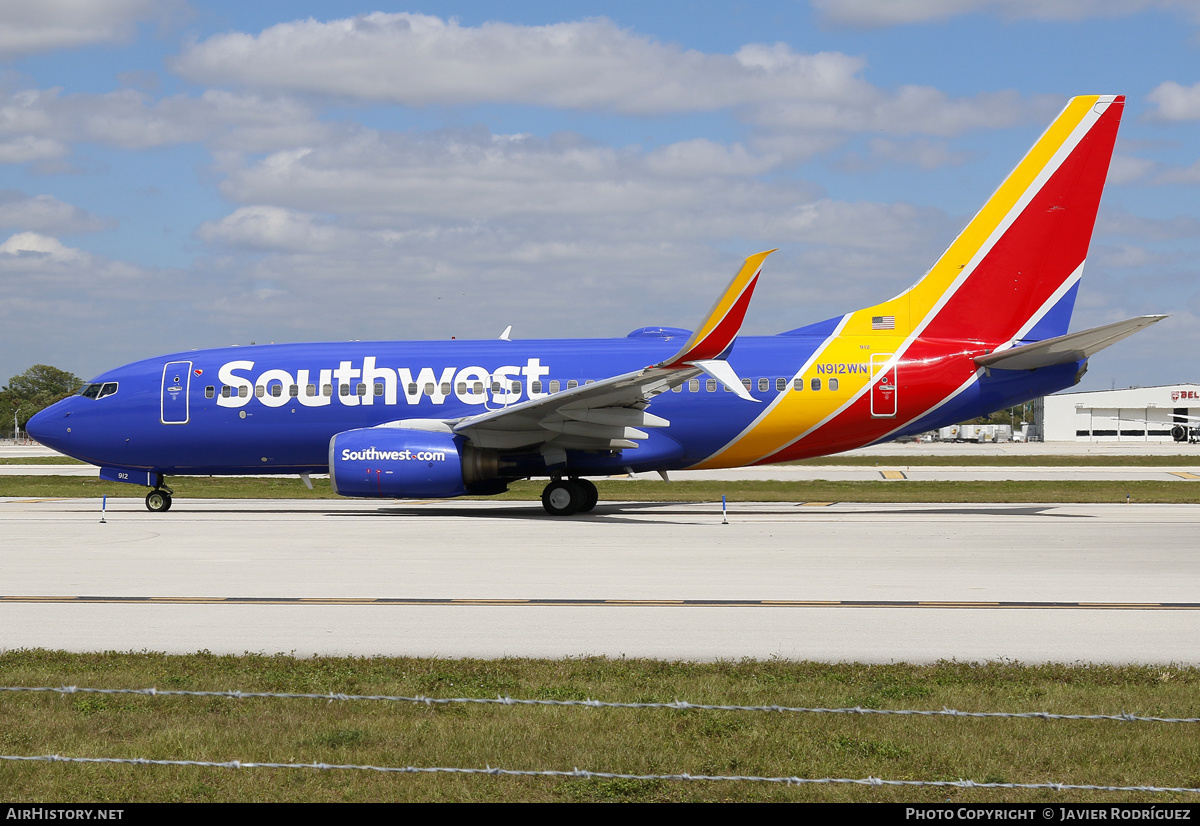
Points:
point(563, 497)
point(159, 500)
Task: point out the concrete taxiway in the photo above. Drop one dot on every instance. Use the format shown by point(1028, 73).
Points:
point(871, 583)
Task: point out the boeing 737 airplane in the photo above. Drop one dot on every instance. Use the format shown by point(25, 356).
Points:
point(984, 329)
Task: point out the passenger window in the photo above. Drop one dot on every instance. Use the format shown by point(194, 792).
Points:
point(535, 387)
point(461, 388)
point(276, 390)
point(310, 390)
point(798, 383)
point(516, 387)
point(694, 386)
point(445, 388)
point(746, 383)
point(225, 388)
point(711, 385)
point(495, 387)
point(343, 390)
point(677, 388)
point(210, 392)
point(478, 386)
point(816, 384)
point(590, 381)
point(293, 390)
point(412, 388)
point(780, 384)
point(379, 390)
point(327, 390)
point(554, 385)
point(260, 390)
point(572, 384)
point(244, 391)
point(430, 388)
point(833, 384)
point(764, 385)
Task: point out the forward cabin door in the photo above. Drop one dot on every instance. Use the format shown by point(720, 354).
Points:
point(176, 381)
point(883, 391)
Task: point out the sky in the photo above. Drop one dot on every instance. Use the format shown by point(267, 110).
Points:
point(179, 175)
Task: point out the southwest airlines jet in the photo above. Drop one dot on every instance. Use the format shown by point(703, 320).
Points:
point(984, 329)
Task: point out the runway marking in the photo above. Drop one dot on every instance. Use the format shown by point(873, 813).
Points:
point(610, 603)
point(892, 474)
point(1183, 474)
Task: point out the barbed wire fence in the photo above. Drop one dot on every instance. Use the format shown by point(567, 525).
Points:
point(681, 705)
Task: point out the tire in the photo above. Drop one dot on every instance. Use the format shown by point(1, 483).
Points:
point(590, 495)
point(562, 498)
point(158, 501)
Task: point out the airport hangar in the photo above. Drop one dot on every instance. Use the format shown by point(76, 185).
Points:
point(1168, 413)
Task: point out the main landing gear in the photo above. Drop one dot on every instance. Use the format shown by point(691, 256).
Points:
point(563, 497)
point(159, 499)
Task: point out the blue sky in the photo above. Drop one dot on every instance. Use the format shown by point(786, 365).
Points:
point(178, 174)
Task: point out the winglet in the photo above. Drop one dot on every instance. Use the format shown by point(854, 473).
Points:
point(720, 327)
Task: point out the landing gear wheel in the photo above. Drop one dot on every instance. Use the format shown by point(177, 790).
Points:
point(562, 497)
point(590, 495)
point(158, 501)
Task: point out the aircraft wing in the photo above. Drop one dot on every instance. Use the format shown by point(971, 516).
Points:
point(608, 413)
point(1065, 349)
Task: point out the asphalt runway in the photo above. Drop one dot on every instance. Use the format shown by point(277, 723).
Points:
point(810, 473)
point(868, 583)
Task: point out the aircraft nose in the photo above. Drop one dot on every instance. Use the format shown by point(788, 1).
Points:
point(49, 427)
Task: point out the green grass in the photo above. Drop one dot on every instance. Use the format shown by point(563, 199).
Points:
point(39, 460)
point(1179, 492)
point(616, 740)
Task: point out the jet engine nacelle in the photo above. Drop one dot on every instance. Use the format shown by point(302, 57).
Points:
point(397, 463)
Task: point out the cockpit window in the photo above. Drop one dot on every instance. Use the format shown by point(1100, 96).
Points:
point(98, 390)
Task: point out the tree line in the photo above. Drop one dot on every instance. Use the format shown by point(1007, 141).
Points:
point(37, 388)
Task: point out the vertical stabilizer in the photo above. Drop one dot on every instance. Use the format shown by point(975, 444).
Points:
point(1013, 271)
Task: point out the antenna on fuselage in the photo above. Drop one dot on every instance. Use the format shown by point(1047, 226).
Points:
point(505, 334)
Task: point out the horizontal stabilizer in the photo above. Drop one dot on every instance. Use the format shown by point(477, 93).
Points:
point(1065, 349)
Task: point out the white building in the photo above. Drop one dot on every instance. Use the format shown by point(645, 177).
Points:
point(1138, 414)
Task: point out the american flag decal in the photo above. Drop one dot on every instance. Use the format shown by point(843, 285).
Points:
point(883, 322)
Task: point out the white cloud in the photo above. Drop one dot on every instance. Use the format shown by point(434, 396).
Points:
point(34, 246)
point(31, 27)
point(1127, 169)
point(874, 13)
point(417, 60)
point(922, 152)
point(1178, 175)
point(1117, 223)
point(45, 213)
point(42, 124)
point(1175, 102)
